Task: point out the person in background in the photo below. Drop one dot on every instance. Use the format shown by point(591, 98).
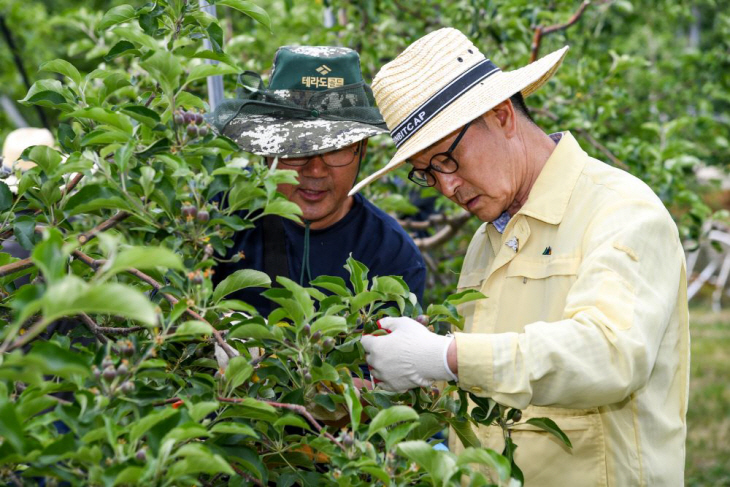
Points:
point(315, 118)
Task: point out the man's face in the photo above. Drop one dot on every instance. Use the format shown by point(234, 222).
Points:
point(487, 180)
point(322, 190)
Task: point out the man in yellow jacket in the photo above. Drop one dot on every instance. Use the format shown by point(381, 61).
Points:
point(586, 319)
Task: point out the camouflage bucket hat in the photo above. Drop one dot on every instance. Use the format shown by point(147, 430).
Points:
point(316, 102)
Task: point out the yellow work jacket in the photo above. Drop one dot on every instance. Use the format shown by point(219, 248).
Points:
point(585, 323)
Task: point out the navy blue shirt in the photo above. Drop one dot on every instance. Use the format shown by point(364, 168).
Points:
point(372, 236)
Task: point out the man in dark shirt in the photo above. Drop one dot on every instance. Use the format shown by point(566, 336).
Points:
point(315, 118)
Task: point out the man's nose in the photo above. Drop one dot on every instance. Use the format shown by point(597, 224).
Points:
point(447, 183)
point(315, 167)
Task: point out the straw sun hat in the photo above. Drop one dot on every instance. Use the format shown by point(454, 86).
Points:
point(439, 84)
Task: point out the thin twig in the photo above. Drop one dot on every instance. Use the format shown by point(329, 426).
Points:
point(30, 334)
point(85, 237)
point(301, 410)
point(93, 328)
point(438, 218)
point(16, 266)
point(72, 184)
point(541, 32)
point(166, 401)
point(96, 263)
point(248, 477)
point(444, 234)
point(149, 100)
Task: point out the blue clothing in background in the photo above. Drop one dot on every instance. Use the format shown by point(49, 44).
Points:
point(373, 237)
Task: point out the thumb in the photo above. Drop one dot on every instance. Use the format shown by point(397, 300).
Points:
point(391, 324)
point(368, 343)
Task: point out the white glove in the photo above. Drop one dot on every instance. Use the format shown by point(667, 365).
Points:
point(410, 356)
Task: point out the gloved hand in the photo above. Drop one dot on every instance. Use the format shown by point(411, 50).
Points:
point(410, 356)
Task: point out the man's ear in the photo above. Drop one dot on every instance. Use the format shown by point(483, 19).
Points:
point(506, 116)
point(364, 147)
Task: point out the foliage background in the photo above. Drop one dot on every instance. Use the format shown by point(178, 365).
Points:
point(648, 92)
point(646, 83)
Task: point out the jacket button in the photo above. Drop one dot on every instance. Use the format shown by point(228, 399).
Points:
point(476, 389)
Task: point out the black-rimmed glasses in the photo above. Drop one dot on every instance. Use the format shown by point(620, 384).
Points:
point(442, 162)
point(338, 158)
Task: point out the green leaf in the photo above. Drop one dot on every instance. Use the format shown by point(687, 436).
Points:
point(47, 92)
point(233, 429)
point(137, 36)
point(6, 197)
point(353, 406)
point(237, 372)
point(49, 256)
point(11, 427)
point(208, 464)
point(215, 33)
point(257, 332)
point(250, 9)
point(439, 464)
point(387, 285)
point(464, 431)
point(240, 279)
point(71, 296)
point(330, 325)
point(204, 70)
point(332, 283)
point(165, 67)
point(194, 327)
point(254, 409)
point(362, 299)
point(300, 295)
point(117, 15)
point(104, 137)
point(24, 231)
point(105, 116)
point(58, 361)
point(130, 475)
point(142, 114)
point(488, 457)
point(203, 409)
point(358, 274)
point(62, 67)
point(390, 416)
point(549, 425)
point(141, 426)
point(121, 48)
point(46, 157)
point(143, 258)
point(292, 420)
point(465, 296)
point(283, 208)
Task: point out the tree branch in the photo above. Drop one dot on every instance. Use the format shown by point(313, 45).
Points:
point(248, 477)
point(106, 225)
point(540, 31)
point(301, 410)
point(16, 266)
point(96, 263)
point(453, 224)
point(93, 328)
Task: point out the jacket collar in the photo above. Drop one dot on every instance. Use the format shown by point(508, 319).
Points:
point(551, 192)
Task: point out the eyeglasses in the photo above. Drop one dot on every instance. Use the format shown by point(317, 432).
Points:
point(442, 162)
point(338, 158)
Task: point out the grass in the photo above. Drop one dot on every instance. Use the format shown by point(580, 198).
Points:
point(708, 417)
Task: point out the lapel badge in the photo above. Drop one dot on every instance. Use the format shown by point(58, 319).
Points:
point(548, 251)
point(513, 243)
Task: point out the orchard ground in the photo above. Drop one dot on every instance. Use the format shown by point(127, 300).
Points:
point(708, 417)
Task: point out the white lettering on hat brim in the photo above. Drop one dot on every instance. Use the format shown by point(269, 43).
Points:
point(442, 99)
